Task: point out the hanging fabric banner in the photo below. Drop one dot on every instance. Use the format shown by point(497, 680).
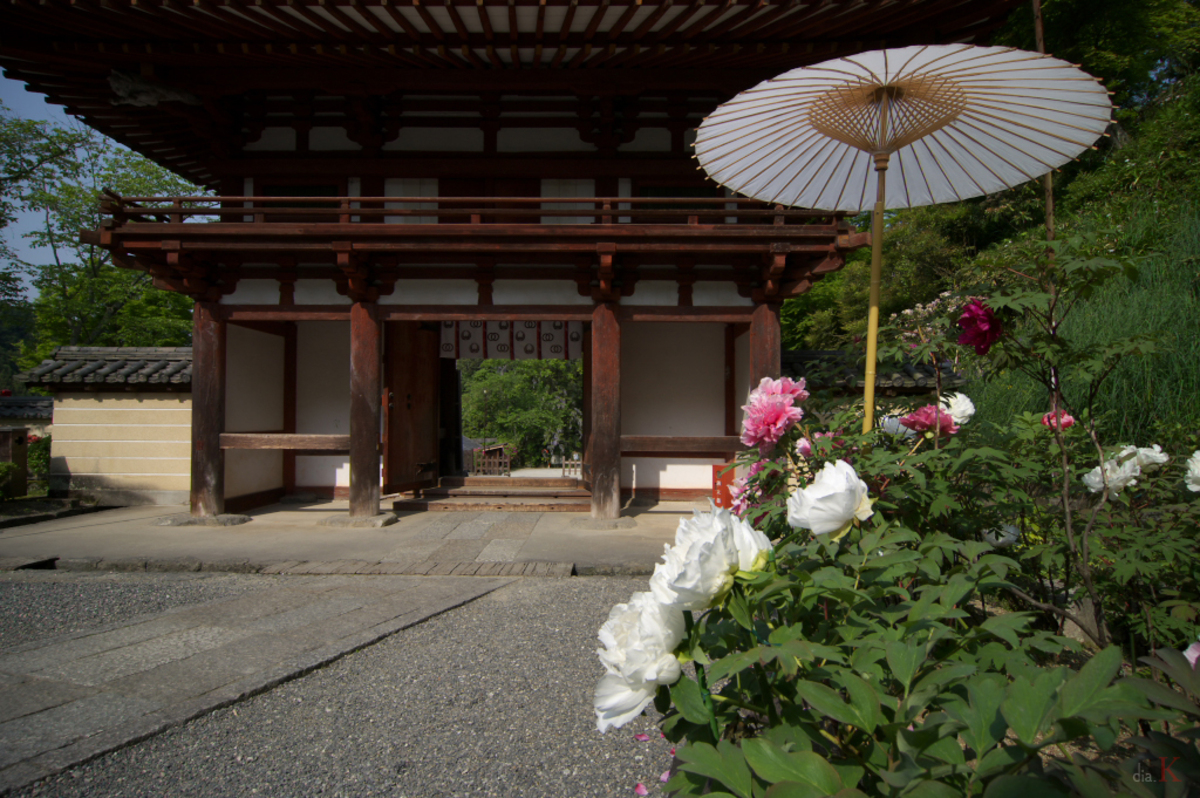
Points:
point(512, 340)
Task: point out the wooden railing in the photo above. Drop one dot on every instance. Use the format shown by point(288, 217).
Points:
point(496, 463)
point(457, 210)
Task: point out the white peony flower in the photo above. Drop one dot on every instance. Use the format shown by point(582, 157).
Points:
point(831, 502)
point(1147, 459)
point(639, 655)
point(1003, 536)
point(892, 426)
point(1116, 474)
point(709, 549)
point(1193, 472)
point(959, 406)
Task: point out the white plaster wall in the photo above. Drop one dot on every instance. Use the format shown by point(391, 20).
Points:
point(538, 292)
point(672, 383)
point(253, 403)
point(438, 139)
point(318, 292)
point(649, 139)
point(541, 139)
point(323, 397)
point(274, 139)
point(433, 292)
point(410, 187)
point(330, 139)
point(568, 187)
point(253, 292)
point(654, 292)
point(719, 294)
point(741, 385)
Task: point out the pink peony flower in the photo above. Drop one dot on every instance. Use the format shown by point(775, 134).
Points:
point(768, 417)
point(1064, 421)
point(804, 447)
point(980, 327)
point(742, 493)
point(784, 386)
point(930, 417)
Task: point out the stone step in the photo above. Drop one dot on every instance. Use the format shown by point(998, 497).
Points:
point(516, 504)
point(517, 492)
point(509, 482)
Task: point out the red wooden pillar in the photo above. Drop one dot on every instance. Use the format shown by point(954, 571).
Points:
point(765, 343)
point(365, 387)
point(208, 410)
point(605, 431)
point(586, 473)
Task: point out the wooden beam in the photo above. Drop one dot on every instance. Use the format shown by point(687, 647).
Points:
point(605, 432)
point(765, 343)
point(485, 312)
point(241, 313)
point(717, 315)
point(208, 410)
point(365, 387)
point(327, 444)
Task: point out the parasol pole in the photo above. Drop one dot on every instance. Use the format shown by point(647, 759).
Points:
point(881, 165)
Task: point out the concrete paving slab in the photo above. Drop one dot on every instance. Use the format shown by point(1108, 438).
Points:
point(118, 684)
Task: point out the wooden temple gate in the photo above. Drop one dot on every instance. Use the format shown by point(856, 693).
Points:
point(775, 253)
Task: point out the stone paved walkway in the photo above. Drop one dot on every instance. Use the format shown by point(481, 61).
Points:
point(68, 699)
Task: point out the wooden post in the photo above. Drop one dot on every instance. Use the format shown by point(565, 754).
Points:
point(585, 474)
point(765, 344)
point(208, 410)
point(606, 413)
point(365, 386)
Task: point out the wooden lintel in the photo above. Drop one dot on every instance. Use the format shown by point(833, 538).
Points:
point(485, 312)
point(325, 444)
point(727, 315)
point(240, 313)
point(693, 446)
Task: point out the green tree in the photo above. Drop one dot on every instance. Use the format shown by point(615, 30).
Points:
point(30, 153)
point(535, 404)
point(84, 299)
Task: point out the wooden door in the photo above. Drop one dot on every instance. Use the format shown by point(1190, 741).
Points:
point(411, 380)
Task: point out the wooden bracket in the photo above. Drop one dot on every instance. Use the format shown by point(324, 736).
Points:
point(357, 283)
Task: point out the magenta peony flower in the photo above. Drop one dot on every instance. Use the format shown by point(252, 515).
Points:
point(980, 327)
point(1064, 421)
point(743, 493)
point(771, 412)
point(931, 418)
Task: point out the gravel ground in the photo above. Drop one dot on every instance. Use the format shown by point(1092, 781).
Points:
point(35, 605)
point(491, 699)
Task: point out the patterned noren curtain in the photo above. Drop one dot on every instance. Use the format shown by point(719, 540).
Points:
point(512, 340)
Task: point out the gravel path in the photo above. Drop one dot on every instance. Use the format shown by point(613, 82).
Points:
point(36, 605)
point(491, 699)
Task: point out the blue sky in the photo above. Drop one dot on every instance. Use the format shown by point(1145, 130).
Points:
point(28, 105)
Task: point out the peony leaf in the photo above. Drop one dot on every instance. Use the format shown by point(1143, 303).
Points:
point(1085, 686)
point(774, 764)
point(686, 696)
point(826, 701)
point(725, 763)
point(1023, 787)
point(904, 660)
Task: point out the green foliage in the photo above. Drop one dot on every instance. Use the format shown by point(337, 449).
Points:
point(7, 472)
point(534, 404)
point(31, 153)
point(38, 456)
point(84, 299)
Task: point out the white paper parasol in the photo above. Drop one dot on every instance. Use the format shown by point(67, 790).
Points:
point(950, 122)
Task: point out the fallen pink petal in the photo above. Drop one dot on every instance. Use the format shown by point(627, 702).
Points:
point(665, 777)
point(641, 738)
point(640, 789)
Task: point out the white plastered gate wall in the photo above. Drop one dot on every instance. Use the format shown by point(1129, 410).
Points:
point(253, 403)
